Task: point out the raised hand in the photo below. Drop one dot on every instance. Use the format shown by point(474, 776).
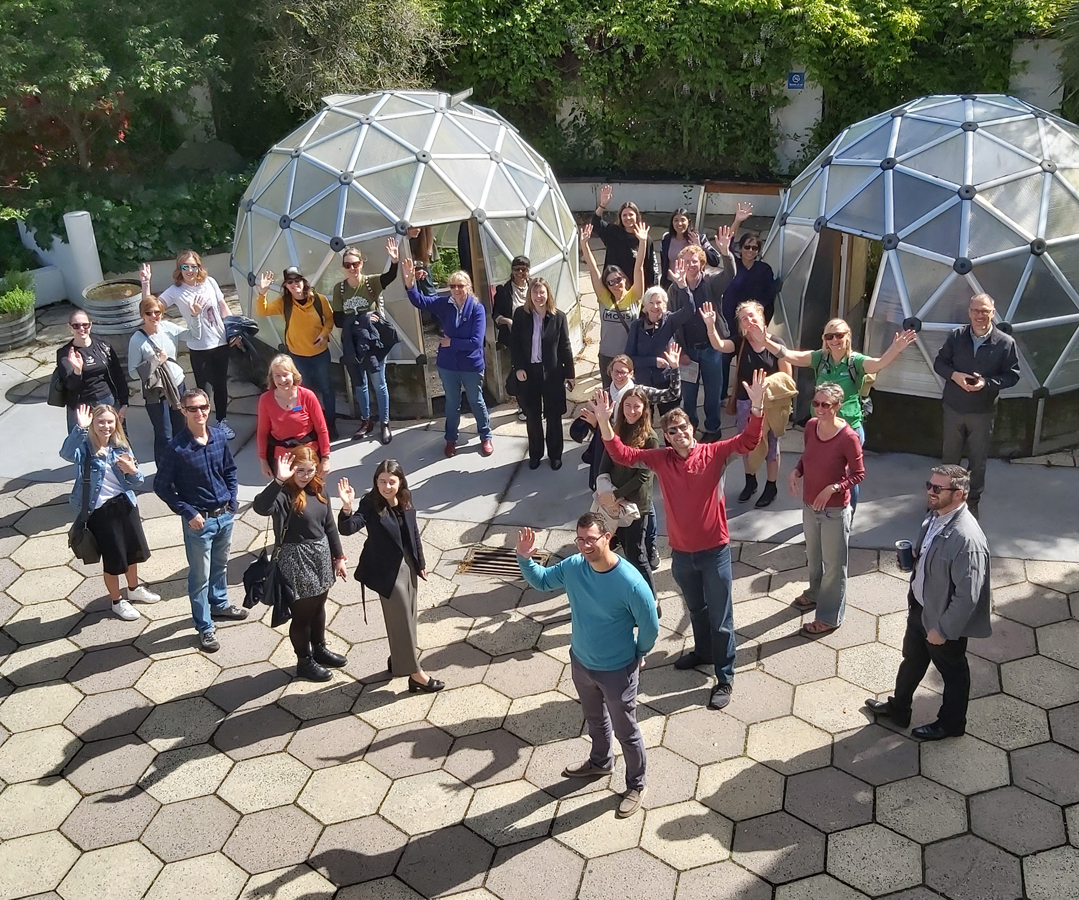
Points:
point(723, 239)
point(75, 359)
point(83, 416)
point(286, 465)
point(693, 237)
point(198, 305)
point(586, 233)
point(678, 272)
point(526, 542)
point(265, 280)
point(391, 249)
point(641, 230)
point(346, 492)
point(601, 405)
point(589, 415)
point(708, 313)
point(408, 272)
point(756, 390)
point(606, 192)
point(144, 273)
point(904, 339)
point(673, 355)
point(744, 211)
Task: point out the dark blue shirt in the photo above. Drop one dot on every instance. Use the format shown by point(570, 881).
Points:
point(194, 478)
point(757, 283)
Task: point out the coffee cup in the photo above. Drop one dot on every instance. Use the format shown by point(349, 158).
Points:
point(904, 556)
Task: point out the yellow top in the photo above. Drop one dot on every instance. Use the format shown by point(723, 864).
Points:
point(303, 326)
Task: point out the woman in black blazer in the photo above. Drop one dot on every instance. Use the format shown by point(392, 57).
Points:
point(390, 564)
point(544, 370)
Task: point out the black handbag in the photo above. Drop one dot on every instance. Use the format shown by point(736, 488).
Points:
point(57, 389)
point(264, 583)
point(80, 539)
point(388, 338)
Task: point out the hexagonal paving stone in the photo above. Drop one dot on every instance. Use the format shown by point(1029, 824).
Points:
point(832, 705)
point(408, 749)
point(426, 802)
point(301, 883)
point(182, 676)
point(766, 619)
point(870, 666)
point(255, 732)
point(535, 870)
point(108, 715)
point(877, 594)
point(1064, 724)
point(554, 639)
point(123, 871)
point(548, 762)
point(511, 632)
point(489, 758)
point(38, 706)
point(1060, 576)
point(627, 874)
point(510, 813)
point(798, 661)
point(829, 799)
point(263, 783)
point(722, 881)
point(43, 585)
point(1071, 816)
point(968, 868)
point(686, 835)
point(1048, 770)
point(1053, 875)
point(876, 755)
point(34, 864)
point(773, 557)
point(1007, 722)
point(789, 745)
point(1044, 682)
point(35, 663)
point(311, 700)
point(778, 847)
point(587, 824)
point(43, 622)
point(344, 792)
point(1010, 640)
point(1016, 820)
point(255, 643)
point(1060, 642)
point(541, 718)
point(702, 736)
point(758, 697)
point(740, 788)
point(858, 628)
point(384, 707)
point(468, 710)
point(34, 806)
point(521, 674)
point(247, 687)
point(219, 879)
point(185, 773)
point(965, 764)
point(112, 763)
point(668, 690)
point(37, 754)
point(444, 862)
point(190, 828)
point(330, 742)
point(270, 837)
point(180, 723)
point(357, 851)
point(109, 669)
point(874, 859)
point(921, 809)
point(442, 626)
point(42, 552)
point(1030, 604)
point(671, 778)
point(111, 817)
point(817, 887)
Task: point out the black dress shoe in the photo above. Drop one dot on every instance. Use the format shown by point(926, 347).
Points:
point(534, 463)
point(433, 684)
point(749, 490)
point(556, 464)
point(307, 668)
point(767, 495)
point(385, 434)
point(653, 559)
point(885, 708)
point(690, 661)
point(934, 731)
point(324, 656)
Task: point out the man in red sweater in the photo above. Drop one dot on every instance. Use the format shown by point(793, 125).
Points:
point(691, 477)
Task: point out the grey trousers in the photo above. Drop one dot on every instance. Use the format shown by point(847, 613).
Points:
point(609, 702)
point(399, 611)
point(968, 434)
point(826, 533)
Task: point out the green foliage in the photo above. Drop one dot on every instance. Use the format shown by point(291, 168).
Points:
point(445, 264)
point(1068, 33)
point(137, 224)
point(13, 255)
point(16, 292)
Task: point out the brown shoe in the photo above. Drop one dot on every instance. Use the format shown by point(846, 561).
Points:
point(586, 770)
point(631, 802)
point(366, 425)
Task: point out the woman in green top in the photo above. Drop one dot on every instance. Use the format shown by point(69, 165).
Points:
point(837, 363)
point(357, 294)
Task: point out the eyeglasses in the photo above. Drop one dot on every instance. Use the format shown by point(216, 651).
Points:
point(352, 265)
point(937, 489)
point(458, 287)
point(307, 473)
point(981, 312)
point(152, 314)
point(588, 541)
point(203, 408)
point(678, 429)
point(187, 267)
point(751, 247)
point(615, 281)
point(822, 404)
point(520, 268)
point(836, 335)
point(293, 281)
point(80, 326)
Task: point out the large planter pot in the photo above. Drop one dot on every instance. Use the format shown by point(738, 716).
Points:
point(113, 306)
point(17, 329)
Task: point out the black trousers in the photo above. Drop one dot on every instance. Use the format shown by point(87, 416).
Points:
point(950, 658)
point(308, 625)
point(538, 403)
point(634, 540)
point(211, 367)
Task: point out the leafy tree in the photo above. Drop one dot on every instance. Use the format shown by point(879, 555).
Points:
point(1068, 32)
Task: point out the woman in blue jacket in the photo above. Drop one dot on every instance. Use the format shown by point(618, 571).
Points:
point(99, 448)
point(460, 351)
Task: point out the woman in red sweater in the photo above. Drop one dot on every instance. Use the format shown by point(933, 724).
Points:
point(289, 416)
point(830, 466)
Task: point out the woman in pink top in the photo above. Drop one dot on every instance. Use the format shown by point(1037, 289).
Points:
point(289, 416)
point(829, 467)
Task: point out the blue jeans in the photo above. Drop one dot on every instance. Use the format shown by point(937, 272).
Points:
point(711, 373)
point(704, 578)
point(318, 376)
point(166, 422)
point(727, 358)
point(472, 384)
point(827, 532)
point(855, 491)
point(382, 392)
point(207, 562)
point(651, 528)
point(104, 401)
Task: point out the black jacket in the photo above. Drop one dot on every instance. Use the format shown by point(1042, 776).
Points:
point(622, 250)
point(503, 306)
point(997, 362)
point(385, 546)
point(361, 341)
point(104, 376)
point(315, 522)
point(556, 354)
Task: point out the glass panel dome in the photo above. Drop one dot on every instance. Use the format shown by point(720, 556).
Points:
point(972, 192)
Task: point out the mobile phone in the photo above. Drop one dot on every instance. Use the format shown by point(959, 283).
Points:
point(971, 379)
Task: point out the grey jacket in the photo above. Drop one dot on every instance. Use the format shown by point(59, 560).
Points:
point(956, 590)
point(997, 361)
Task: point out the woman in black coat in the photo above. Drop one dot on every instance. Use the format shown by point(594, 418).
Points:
point(543, 368)
point(91, 370)
point(390, 563)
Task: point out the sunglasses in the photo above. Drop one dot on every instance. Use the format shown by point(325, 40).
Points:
point(836, 336)
point(187, 267)
point(204, 408)
point(520, 268)
point(80, 326)
point(352, 265)
point(461, 287)
point(615, 281)
point(937, 489)
point(152, 314)
point(752, 247)
point(293, 281)
point(822, 404)
point(679, 429)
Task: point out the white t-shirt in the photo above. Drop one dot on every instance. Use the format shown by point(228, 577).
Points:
point(110, 487)
point(213, 328)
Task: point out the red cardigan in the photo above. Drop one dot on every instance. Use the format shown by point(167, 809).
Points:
point(696, 513)
point(838, 461)
point(291, 423)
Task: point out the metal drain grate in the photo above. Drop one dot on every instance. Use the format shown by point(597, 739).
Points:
point(496, 562)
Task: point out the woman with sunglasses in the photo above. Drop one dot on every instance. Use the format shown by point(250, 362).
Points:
point(151, 357)
point(835, 362)
point(463, 321)
point(210, 348)
point(622, 241)
point(829, 467)
point(676, 240)
point(91, 370)
point(356, 295)
point(619, 299)
point(308, 325)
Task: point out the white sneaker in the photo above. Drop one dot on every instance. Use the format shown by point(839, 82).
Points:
point(124, 610)
point(142, 594)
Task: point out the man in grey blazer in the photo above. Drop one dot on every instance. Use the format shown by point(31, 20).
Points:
point(948, 602)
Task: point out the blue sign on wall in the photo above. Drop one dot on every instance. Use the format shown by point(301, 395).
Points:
point(796, 81)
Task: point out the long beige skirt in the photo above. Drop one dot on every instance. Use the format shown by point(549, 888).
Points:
point(399, 610)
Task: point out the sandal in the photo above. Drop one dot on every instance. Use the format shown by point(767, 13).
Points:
point(817, 628)
point(804, 602)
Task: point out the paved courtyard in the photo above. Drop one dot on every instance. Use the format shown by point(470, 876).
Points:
point(132, 765)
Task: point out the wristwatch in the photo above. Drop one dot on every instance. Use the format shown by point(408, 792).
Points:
point(835, 488)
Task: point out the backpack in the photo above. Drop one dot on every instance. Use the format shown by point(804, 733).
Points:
point(862, 382)
point(286, 310)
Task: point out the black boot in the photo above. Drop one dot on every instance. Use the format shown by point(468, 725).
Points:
point(324, 656)
point(767, 495)
point(749, 490)
point(307, 668)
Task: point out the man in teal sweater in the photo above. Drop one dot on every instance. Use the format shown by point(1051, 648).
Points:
point(608, 598)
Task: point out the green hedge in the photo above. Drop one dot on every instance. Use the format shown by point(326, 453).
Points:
point(16, 292)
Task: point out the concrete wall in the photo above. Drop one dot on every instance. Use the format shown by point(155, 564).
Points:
point(665, 196)
point(796, 120)
point(1035, 77)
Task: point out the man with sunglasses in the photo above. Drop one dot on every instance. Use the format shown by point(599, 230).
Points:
point(690, 475)
point(197, 479)
point(948, 602)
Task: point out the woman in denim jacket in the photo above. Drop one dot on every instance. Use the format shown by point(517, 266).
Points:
point(98, 447)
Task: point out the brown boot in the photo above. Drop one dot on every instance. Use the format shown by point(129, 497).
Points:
point(366, 426)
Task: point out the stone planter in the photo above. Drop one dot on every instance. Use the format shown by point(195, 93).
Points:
point(17, 329)
point(113, 306)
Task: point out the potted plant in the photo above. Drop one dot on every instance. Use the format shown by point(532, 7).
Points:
point(17, 324)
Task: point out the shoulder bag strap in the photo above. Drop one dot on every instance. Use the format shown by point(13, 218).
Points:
point(86, 486)
point(284, 529)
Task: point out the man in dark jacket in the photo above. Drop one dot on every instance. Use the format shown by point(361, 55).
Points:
point(978, 361)
point(948, 602)
point(508, 297)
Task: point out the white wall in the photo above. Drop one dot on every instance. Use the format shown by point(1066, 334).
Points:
point(796, 120)
point(1035, 78)
point(664, 197)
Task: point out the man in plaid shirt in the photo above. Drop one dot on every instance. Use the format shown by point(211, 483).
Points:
point(197, 479)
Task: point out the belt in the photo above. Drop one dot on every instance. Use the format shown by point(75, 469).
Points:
point(214, 513)
point(705, 346)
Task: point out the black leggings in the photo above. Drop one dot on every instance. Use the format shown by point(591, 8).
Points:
point(308, 625)
point(211, 367)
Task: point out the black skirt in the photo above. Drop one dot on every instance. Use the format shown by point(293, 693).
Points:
point(117, 528)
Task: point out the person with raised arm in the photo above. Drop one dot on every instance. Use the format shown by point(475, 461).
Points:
point(622, 241)
point(92, 373)
point(649, 337)
point(676, 240)
point(289, 417)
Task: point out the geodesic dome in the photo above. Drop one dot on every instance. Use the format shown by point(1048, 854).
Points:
point(368, 167)
point(967, 194)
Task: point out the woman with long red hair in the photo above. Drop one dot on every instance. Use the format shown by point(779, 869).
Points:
point(309, 557)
